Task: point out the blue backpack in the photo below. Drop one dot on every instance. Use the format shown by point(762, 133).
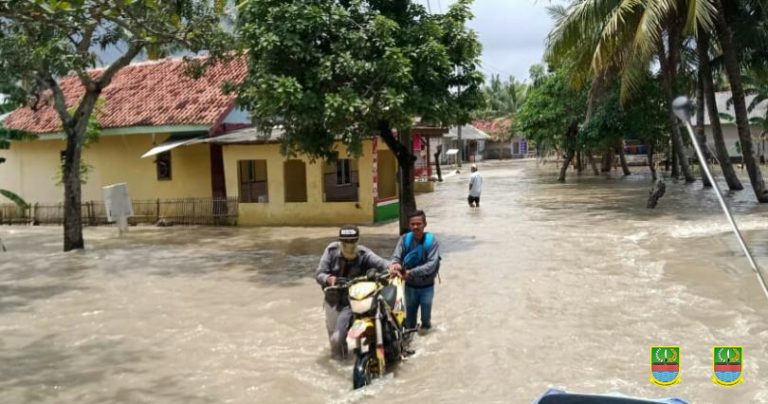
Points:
point(415, 256)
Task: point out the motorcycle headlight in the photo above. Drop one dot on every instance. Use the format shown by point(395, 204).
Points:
point(361, 290)
point(361, 296)
point(361, 306)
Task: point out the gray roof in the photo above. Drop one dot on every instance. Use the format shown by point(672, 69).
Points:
point(247, 135)
point(721, 99)
point(468, 132)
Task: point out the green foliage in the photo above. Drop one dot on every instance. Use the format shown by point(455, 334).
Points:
point(502, 98)
point(43, 40)
point(550, 109)
point(643, 117)
point(335, 69)
point(92, 134)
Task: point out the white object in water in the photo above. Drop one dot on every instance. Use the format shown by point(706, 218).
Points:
point(118, 205)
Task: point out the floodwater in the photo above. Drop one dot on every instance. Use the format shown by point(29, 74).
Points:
point(545, 285)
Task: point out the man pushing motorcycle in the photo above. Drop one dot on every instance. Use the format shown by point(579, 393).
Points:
point(417, 259)
point(341, 261)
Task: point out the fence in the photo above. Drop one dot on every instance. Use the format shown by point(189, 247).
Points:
point(187, 211)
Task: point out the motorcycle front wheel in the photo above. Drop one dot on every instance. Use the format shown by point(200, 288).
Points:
point(366, 369)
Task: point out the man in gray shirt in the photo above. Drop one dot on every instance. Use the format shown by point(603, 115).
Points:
point(342, 260)
point(417, 259)
point(475, 187)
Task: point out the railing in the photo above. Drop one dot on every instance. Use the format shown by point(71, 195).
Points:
point(186, 211)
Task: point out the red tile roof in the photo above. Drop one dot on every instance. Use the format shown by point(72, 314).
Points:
point(146, 94)
point(498, 128)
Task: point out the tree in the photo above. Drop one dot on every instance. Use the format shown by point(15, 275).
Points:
point(44, 40)
point(343, 70)
point(551, 116)
point(639, 117)
point(502, 98)
point(631, 37)
point(710, 102)
point(733, 69)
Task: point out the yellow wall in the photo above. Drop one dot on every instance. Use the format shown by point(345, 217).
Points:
point(387, 173)
point(31, 169)
point(312, 212)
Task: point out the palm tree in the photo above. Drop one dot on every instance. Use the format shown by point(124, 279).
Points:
point(756, 84)
point(631, 36)
point(733, 70)
point(708, 99)
point(503, 98)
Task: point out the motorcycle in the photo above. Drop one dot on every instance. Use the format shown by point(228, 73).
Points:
point(378, 337)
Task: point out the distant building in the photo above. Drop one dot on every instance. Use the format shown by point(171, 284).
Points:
point(728, 123)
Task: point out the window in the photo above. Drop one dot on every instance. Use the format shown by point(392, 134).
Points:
point(342, 172)
point(163, 166)
point(295, 180)
point(340, 181)
point(252, 179)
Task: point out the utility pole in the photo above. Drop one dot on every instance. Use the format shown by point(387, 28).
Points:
point(461, 148)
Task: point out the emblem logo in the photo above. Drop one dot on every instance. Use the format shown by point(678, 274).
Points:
point(665, 365)
point(727, 362)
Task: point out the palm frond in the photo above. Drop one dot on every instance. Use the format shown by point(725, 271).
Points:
point(19, 201)
point(700, 13)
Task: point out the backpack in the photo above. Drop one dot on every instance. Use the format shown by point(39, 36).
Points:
point(415, 256)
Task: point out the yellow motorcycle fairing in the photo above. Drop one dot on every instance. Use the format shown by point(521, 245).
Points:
point(359, 328)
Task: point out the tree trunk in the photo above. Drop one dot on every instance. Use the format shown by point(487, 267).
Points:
point(405, 159)
point(592, 163)
point(607, 161)
point(579, 162)
point(739, 104)
point(623, 159)
point(714, 116)
point(570, 140)
point(75, 130)
point(675, 166)
point(701, 135)
point(437, 162)
point(651, 163)
point(669, 73)
point(568, 157)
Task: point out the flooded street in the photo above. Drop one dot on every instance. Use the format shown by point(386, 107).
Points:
point(547, 284)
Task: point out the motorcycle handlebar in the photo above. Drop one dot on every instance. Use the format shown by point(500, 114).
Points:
point(343, 283)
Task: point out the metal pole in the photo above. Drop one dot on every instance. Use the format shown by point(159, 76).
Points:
point(681, 106)
point(461, 147)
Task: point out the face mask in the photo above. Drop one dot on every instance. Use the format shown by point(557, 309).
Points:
point(349, 250)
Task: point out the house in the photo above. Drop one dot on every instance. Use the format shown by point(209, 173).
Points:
point(728, 123)
point(472, 141)
point(274, 190)
point(158, 132)
point(148, 104)
point(502, 145)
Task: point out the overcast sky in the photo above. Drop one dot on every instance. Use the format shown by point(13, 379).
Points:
point(512, 33)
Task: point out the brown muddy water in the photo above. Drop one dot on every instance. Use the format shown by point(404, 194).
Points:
point(545, 285)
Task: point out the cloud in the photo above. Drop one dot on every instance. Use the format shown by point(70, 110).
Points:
point(512, 33)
